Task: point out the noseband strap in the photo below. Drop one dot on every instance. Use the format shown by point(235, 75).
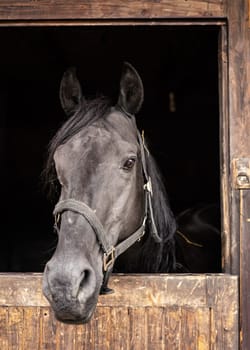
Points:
point(84, 210)
point(110, 253)
point(89, 214)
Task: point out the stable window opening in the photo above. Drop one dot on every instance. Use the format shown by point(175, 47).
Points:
point(180, 119)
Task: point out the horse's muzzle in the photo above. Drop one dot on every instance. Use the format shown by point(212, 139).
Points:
point(72, 296)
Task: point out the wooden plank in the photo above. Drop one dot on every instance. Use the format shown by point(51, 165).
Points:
point(195, 328)
point(141, 290)
point(224, 151)
point(21, 289)
point(249, 13)
point(239, 106)
point(239, 119)
point(47, 326)
point(30, 333)
point(117, 9)
point(65, 336)
point(188, 332)
point(245, 268)
point(172, 327)
point(15, 328)
point(203, 316)
point(3, 328)
point(82, 336)
point(138, 332)
point(224, 314)
point(120, 335)
point(100, 332)
point(239, 74)
point(166, 22)
point(155, 328)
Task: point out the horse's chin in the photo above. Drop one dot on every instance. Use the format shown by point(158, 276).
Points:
point(73, 319)
point(73, 315)
point(72, 310)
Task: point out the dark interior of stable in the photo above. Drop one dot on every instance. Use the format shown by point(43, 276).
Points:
point(180, 116)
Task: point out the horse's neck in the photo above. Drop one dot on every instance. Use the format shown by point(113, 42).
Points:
point(147, 257)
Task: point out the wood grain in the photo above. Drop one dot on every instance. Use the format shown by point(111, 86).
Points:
point(245, 267)
point(116, 9)
point(141, 290)
point(145, 312)
point(239, 145)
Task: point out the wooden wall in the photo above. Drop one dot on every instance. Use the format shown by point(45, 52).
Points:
point(145, 312)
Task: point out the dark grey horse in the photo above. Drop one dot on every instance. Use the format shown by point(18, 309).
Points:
point(113, 212)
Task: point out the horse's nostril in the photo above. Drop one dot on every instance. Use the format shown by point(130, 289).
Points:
point(85, 278)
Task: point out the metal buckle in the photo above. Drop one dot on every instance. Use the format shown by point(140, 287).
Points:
point(108, 259)
point(148, 186)
point(57, 221)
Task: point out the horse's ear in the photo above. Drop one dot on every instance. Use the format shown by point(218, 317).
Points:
point(131, 90)
point(70, 92)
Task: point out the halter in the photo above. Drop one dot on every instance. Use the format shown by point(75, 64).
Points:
point(110, 252)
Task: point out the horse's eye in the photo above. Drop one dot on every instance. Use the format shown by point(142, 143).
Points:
point(129, 164)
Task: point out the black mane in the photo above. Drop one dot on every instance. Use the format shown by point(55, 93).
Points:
point(156, 257)
point(165, 221)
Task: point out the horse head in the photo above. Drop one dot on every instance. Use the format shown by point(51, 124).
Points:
point(98, 159)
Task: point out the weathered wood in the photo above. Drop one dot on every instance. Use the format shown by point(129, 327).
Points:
point(166, 22)
point(249, 13)
point(172, 328)
point(120, 316)
point(47, 334)
point(155, 328)
point(239, 74)
point(3, 328)
point(30, 333)
point(141, 290)
point(145, 312)
point(239, 112)
point(15, 327)
point(239, 121)
point(245, 267)
point(118, 9)
point(138, 324)
point(224, 151)
point(224, 314)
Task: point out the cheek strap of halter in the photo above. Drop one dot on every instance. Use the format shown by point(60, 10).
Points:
point(148, 184)
point(149, 190)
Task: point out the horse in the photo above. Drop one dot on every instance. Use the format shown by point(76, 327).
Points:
point(113, 212)
point(198, 238)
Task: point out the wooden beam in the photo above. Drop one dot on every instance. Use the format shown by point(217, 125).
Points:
point(239, 121)
point(245, 268)
point(116, 9)
point(140, 290)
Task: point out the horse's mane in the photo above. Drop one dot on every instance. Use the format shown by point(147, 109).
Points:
point(88, 112)
point(159, 257)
